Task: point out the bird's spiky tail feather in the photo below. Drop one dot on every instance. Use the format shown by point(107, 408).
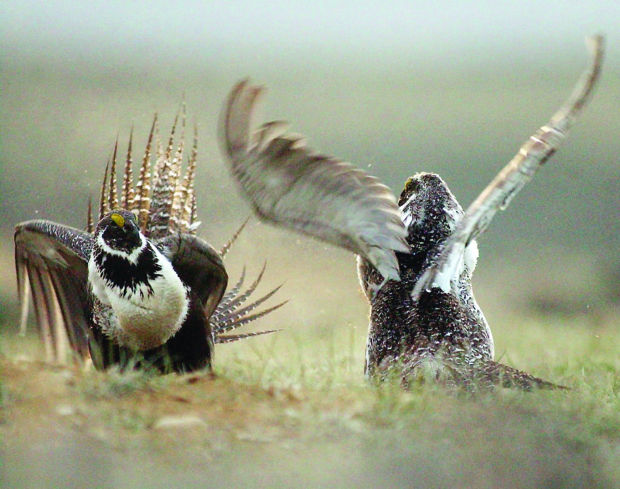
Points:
point(165, 202)
point(163, 197)
point(229, 315)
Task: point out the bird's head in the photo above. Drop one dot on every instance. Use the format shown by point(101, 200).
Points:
point(429, 211)
point(119, 231)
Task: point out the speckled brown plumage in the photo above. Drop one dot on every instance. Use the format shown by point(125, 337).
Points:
point(443, 334)
point(52, 262)
point(424, 317)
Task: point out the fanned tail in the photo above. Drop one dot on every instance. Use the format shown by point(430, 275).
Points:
point(164, 200)
point(240, 298)
point(229, 315)
point(163, 197)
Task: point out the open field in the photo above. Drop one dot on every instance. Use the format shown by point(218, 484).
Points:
point(294, 410)
point(394, 87)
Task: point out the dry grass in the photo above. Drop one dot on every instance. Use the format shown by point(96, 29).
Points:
point(289, 411)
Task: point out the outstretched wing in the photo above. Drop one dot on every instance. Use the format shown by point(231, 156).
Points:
point(289, 185)
point(520, 170)
point(51, 261)
point(198, 266)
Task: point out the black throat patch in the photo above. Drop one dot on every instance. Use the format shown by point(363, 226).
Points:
point(119, 272)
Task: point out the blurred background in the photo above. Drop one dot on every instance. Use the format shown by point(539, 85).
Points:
point(395, 87)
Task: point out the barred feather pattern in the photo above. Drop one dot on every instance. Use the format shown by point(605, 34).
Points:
point(194, 222)
point(163, 197)
point(229, 315)
point(113, 196)
point(176, 185)
point(187, 186)
point(159, 154)
point(233, 238)
point(161, 202)
point(165, 202)
point(142, 192)
point(127, 192)
point(240, 298)
point(90, 223)
point(229, 338)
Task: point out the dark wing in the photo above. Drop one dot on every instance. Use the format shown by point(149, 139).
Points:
point(199, 266)
point(289, 185)
point(51, 261)
point(520, 170)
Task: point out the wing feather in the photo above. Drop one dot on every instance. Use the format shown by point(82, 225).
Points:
point(511, 179)
point(52, 267)
point(289, 185)
point(41, 312)
point(199, 266)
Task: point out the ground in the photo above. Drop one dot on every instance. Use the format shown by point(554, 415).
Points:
point(286, 412)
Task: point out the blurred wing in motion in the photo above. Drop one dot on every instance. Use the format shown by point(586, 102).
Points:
point(52, 265)
point(289, 185)
point(520, 170)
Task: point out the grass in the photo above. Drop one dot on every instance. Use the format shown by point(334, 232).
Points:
point(294, 410)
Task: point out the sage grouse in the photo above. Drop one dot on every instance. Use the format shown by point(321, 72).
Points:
point(139, 289)
point(422, 309)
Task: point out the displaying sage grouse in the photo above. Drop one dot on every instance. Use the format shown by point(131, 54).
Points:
point(423, 315)
point(139, 288)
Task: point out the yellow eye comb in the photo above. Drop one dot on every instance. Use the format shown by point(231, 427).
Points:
point(118, 219)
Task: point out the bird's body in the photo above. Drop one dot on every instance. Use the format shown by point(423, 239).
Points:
point(439, 320)
point(414, 262)
point(139, 289)
point(443, 333)
point(149, 300)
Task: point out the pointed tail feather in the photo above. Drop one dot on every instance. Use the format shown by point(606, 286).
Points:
point(505, 376)
point(90, 224)
point(224, 305)
point(229, 338)
point(241, 298)
point(113, 195)
point(242, 321)
point(127, 190)
point(228, 315)
point(104, 208)
point(226, 248)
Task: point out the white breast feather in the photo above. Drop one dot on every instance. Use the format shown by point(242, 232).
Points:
point(145, 320)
